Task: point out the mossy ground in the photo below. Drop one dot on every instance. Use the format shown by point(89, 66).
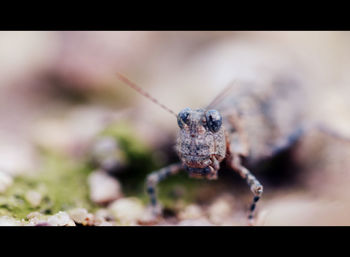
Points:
point(63, 180)
point(141, 163)
point(62, 183)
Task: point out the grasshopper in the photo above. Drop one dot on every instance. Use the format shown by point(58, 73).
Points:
point(252, 125)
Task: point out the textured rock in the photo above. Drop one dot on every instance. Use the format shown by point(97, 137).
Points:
point(60, 219)
point(107, 154)
point(82, 216)
point(195, 222)
point(34, 198)
point(36, 219)
point(105, 224)
point(9, 221)
point(103, 217)
point(127, 210)
point(103, 188)
point(191, 212)
point(220, 210)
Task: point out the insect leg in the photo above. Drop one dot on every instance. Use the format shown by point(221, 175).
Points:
point(154, 178)
point(237, 146)
point(254, 184)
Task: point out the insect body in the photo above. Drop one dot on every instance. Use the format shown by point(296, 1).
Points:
point(256, 122)
point(248, 126)
point(202, 145)
point(253, 124)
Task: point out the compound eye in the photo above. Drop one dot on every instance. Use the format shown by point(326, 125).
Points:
point(183, 117)
point(214, 120)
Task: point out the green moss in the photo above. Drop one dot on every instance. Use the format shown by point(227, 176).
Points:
point(63, 185)
point(134, 148)
point(141, 163)
point(137, 154)
point(169, 188)
point(63, 180)
point(66, 183)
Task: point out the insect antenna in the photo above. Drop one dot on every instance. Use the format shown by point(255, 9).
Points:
point(221, 95)
point(144, 93)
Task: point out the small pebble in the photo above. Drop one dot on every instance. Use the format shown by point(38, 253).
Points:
point(148, 218)
point(60, 219)
point(9, 221)
point(105, 224)
point(33, 198)
point(191, 211)
point(34, 215)
point(103, 215)
point(107, 154)
point(127, 210)
point(220, 210)
point(103, 188)
point(36, 218)
point(5, 181)
point(82, 216)
point(196, 222)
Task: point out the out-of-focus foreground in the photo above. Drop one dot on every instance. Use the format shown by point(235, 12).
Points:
point(76, 144)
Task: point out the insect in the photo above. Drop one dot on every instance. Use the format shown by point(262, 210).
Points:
point(254, 124)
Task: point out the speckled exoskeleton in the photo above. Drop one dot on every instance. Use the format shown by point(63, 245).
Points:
point(253, 123)
point(202, 144)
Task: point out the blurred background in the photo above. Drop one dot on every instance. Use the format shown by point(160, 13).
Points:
point(62, 111)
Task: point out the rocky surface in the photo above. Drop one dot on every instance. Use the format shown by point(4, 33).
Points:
point(103, 187)
point(127, 211)
point(34, 198)
point(60, 219)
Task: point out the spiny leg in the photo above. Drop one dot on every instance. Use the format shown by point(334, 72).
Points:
point(237, 146)
point(254, 184)
point(153, 179)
